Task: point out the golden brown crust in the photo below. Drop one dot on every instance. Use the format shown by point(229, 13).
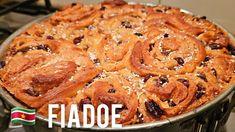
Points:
point(156, 61)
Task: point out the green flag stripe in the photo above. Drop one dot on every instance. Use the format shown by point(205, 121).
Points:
point(22, 109)
point(23, 122)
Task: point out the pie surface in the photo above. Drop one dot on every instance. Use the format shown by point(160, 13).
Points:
point(156, 61)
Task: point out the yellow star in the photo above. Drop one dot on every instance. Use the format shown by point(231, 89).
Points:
point(22, 116)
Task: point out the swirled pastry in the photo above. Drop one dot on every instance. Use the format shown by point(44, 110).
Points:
point(157, 61)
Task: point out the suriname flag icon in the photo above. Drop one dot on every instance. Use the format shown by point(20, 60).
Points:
point(23, 116)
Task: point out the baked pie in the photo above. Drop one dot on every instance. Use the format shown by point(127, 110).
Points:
point(157, 61)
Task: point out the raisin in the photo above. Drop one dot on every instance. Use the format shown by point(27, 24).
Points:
point(200, 91)
point(214, 72)
point(184, 81)
point(25, 49)
point(84, 101)
point(203, 17)
point(203, 64)
point(102, 8)
point(199, 33)
point(38, 47)
point(88, 83)
point(138, 34)
point(202, 76)
point(78, 39)
point(141, 61)
point(96, 60)
point(159, 10)
point(153, 108)
point(43, 47)
point(50, 37)
point(140, 117)
point(112, 90)
point(207, 58)
point(231, 49)
point(199, 94)
point(167, 8)
point(2, 63)
point(126, 24)
point(32, 92)
point(146, 78)
point(90, 27)
point(151, 46)
point(232, 52)
point(215, 46)
point(171, 103)
point(179, 60)
point(73, 4)
point(166, 35)
point(200, 86)
point(119, 42)
point(162, 80)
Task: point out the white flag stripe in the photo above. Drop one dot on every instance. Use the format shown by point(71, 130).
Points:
point(33, 113)
point(22, 120)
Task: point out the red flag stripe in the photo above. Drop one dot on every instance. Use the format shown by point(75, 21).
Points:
point(21, 115)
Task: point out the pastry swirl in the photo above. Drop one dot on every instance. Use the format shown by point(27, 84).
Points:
point(110, 91)
point(156, 61)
